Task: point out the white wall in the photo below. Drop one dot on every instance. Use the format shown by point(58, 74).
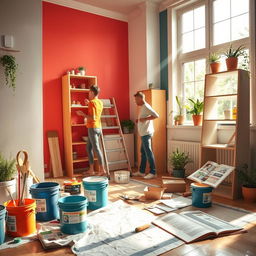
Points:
point(21, 116)
point(143, 32)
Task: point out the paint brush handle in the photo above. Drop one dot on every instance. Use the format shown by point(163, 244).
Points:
point(141, 228)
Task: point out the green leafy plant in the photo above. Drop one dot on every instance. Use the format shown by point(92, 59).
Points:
point(80, 68)
point(197, 107)
point(179, 160)
point(7, 168)
point(129, 124)
point(214, 57)
point(235, 52)
point(10, 69)
point(247, 178)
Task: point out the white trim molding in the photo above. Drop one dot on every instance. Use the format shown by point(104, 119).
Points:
point(90, 8)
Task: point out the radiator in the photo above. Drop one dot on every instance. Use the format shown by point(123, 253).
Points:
point(192, 148)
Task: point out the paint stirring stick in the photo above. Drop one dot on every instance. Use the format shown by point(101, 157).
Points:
point(10, 194)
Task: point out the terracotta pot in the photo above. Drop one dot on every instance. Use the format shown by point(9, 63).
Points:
point(197, 119)
point(231, 63)
point(249, 194)
point(215, 67)
point(180, 120)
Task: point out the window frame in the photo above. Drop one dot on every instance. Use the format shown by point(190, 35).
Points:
point(209, 47)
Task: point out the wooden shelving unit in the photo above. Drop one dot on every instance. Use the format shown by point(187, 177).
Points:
point(73, 125)
point(226, 86)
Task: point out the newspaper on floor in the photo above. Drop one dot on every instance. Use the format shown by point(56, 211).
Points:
point(111, 232)
point(177, 202)
point(211, 174)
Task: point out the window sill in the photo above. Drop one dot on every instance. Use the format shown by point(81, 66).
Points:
point(184, 127)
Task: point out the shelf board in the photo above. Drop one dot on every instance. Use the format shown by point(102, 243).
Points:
point(78, 125)
point(219, 146)
point(110, 127)
point(81, 159)
point(80, 77)
point(79, 90)
point(222, 95)
point(224, 73)
point(79, 106)
point(75, 143)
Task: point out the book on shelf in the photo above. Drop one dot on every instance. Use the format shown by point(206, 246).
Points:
point(211, 173)
point(192, 226)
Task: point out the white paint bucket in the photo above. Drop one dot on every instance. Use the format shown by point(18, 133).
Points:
point(11, 186)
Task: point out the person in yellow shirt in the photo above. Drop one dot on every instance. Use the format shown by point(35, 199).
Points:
point(95, 107)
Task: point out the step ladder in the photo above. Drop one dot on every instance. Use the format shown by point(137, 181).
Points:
point(117, 136)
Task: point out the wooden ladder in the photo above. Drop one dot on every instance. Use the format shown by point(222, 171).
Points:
point(118, 137)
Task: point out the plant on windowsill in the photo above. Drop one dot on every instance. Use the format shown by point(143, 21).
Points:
point(127, 126)
point(248, 181)
point(214, 62)
point(7, 181)
point(232, 55)
point(179, 118)
point(178, 160)
point(10, 68)
point(196, 111)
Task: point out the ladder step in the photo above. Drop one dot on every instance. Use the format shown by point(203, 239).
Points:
point(118, 162)
point(110, 127)
point(108, 116)
point(112, 138)
point(115, 150)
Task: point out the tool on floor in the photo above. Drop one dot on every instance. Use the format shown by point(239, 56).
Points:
point(141, 228)
point(110, 105)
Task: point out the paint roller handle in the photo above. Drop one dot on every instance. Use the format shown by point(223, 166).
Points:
point(141, 228)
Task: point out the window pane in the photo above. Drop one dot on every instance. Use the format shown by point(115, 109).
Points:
point(188, 71)
point(199, 90)
point(240, 27)
point(199, 69)
point(187, 21)
point(239, 7)
point(189, 90)
point(221, 32)
point(221, 10)
point(199, 38)
point(199, 17)
point(187, 42)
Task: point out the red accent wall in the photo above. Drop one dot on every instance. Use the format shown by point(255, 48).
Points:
point(73, 38)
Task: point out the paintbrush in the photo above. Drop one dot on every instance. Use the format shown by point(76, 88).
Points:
point(10, 194)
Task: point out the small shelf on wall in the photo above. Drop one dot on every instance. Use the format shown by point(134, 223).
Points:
point(77, 143)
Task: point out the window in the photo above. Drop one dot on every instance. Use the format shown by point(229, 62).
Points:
point(202, 28)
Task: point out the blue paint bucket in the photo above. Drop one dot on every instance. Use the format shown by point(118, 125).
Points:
point(46, 195)
point(73, 210)
point(96, 190)
point(201, 195)
point(2, 223)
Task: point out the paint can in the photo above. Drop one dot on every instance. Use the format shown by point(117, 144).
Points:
point(46, 195)
point(72, 186)
point(21, 220)
point(2, 223)
point(201, 195)
point(96, 190)
point(73, 211)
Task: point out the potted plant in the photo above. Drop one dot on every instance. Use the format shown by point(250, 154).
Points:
point(214, 62)
point(127, 126)
point(232, 55)
point(81, 71)
point(248, 181)
point(179, 117)
point(10, 68)
point(7, 181)
point(196, 111)
point(178, 161)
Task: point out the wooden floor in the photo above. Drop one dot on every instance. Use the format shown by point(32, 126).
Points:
point(235, 245)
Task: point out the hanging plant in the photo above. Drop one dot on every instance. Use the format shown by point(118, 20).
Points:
point(10, 68)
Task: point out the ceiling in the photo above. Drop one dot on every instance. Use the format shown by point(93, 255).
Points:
point(121, 6)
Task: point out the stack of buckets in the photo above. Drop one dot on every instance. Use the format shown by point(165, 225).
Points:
point(46, 205)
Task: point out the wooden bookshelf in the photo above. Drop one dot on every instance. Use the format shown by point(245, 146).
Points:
point(233, 86)
point(73, 124)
